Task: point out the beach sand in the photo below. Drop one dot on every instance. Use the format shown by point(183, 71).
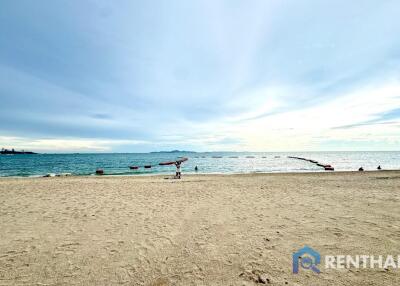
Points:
point(201, 230)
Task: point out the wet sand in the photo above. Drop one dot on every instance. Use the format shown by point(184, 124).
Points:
point(201, 230)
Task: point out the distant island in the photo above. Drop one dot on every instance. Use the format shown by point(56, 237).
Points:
point(173, 151)
point(13, 152)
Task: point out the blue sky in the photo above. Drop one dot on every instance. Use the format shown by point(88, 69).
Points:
point(137, 76)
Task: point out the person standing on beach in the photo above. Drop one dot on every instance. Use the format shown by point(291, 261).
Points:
point(178, 170)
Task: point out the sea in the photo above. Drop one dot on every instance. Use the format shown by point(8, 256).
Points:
point(25, 165)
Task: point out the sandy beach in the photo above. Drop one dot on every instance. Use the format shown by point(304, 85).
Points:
point(201, 230)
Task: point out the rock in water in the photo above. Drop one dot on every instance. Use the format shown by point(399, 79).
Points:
point(49, 175)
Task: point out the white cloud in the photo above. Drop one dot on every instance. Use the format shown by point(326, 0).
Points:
point(301, 129)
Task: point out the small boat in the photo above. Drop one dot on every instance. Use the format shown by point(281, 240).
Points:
point(182, 159)
point(133, 167)
point(99, 172)
point(167, 163)
point(147, 166)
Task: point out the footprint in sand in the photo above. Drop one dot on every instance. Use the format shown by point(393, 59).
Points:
point(67, 248)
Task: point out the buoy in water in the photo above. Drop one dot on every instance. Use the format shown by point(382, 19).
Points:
point(63, 175)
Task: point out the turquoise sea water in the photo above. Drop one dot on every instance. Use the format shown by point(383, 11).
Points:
point(211, 162)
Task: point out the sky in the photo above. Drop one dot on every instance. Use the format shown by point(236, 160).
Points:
point(140, 76)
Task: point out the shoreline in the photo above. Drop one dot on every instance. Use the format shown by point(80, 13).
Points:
point(201, 174)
